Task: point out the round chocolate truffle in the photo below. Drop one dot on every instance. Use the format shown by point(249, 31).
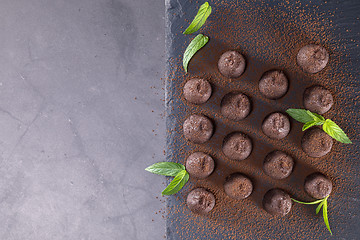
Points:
point(273, 84)
point(277, 202)
point(231, 64)
point(197, 90)
point(318, 99)
point(198, 128)
point(316, 143)
point(276, 126)
point(238, 186)
point(235, 106)
point(278, 165)
point(200, 201)
point(317, 186)
point(312, 58)
point(237, 146)
point(199, 165)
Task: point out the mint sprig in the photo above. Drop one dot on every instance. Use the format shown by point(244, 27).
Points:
point(195, 45)
point(311, 119)
point(322, 204)
point(171, 169)
point(200, 18)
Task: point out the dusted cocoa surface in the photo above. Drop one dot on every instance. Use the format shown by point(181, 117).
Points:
point(269, 35)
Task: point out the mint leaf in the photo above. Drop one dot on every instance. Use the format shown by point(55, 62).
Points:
point(300, 115)
point(335, 131)
point(177, 183)
point(309, 125)
point(200, 18)
point(319, 207)
point(195, 45)
point(308, 203)
point(317, 118)
point(166, 168)
point(325, 215)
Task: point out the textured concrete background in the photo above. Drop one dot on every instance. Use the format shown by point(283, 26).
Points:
point(81, 116)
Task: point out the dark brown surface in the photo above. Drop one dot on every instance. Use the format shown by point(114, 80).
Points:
point(273, 84)
point(269, 34)
point(278, 165)
point(318, 99)
point(197, 90)
point(199, 165)
point(235, 106)
point(231, 64)
point(317, 185)
point(276, 126)
point(312, 58)
point(316, 143)
point(200, 201)
point(238, 186)
point(198, 128)
point(277, 202)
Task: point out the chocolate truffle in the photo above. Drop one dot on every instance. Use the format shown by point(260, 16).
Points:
point(235, 106)
point(277, 202)
point(276, 126)
point(198, 128)
point(317, 186)
point(312, 58)
point(318, 99)
point(273, 84)
point(316, 143)
point(237, 146)
point(238, 186)
point(199, 165)
point(197, 90)
point(200, 201)
point(278, 165)
point(231, 64)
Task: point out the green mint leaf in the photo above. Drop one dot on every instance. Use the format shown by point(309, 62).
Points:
point(195, 45)
point(317, 118)
point(319, 207)
point(325, 215)
point(335, 131)
point(200, 18)
point(166, 168)
point(309, 125)
point(308, 203)
point(177, 183)
point(299, 115)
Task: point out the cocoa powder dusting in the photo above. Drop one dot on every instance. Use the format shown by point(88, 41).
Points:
point(269, 37)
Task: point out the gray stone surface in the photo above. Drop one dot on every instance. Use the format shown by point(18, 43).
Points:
point(81, 116)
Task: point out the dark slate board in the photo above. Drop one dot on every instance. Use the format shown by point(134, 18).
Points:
point(338, 24)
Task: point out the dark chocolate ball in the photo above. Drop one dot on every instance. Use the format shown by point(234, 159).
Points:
point(317, 186)
point(276, 126)
point(199, 165)
point(231, 64)
point(312, 58)
point(200, 201)
point(235, 106)
point(238, 186)
point(197, 90)
point(237, 146)
point(316, 143)
point(318, 99)
point(278, 165)
point(273, 84)
point(198, 128)
point(277, 202)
